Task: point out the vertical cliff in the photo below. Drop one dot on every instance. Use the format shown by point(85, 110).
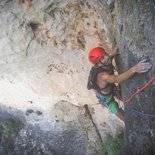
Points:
point(44, 70)
point(136, 39)
point(131, 26)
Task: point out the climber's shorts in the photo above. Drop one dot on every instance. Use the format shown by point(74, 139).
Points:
point(109, 102)
point(113, 107)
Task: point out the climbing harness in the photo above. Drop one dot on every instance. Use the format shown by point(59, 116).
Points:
point(109, 102)
point(138, 91)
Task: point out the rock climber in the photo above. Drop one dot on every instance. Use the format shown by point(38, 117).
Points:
point(103, 80)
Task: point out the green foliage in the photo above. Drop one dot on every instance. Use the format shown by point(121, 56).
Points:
point(112, 145)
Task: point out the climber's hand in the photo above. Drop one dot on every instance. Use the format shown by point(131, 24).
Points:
point(142, 66)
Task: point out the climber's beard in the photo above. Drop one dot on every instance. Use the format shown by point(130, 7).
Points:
point(105, 60)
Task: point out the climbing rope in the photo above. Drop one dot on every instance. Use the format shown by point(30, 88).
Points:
point(138, 91)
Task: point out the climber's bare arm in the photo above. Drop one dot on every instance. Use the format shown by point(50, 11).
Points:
point(141, 67)
point(117, 78)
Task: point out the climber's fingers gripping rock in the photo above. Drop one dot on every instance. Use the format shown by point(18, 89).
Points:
point(143, 66)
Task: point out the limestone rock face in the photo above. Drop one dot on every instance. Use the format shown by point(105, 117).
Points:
point(43, 76)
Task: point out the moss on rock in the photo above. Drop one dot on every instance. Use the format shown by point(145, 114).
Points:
point(9, 130)
point(112, 146)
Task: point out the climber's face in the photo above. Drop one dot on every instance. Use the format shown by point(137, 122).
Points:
point(105, 59)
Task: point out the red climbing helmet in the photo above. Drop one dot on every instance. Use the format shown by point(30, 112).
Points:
point(95, 54)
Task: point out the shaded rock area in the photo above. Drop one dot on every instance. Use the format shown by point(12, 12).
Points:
point(131, 25)
point(133, 31)
point(68, 134)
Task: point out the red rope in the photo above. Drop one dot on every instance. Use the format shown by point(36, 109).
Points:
point(138, 91)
